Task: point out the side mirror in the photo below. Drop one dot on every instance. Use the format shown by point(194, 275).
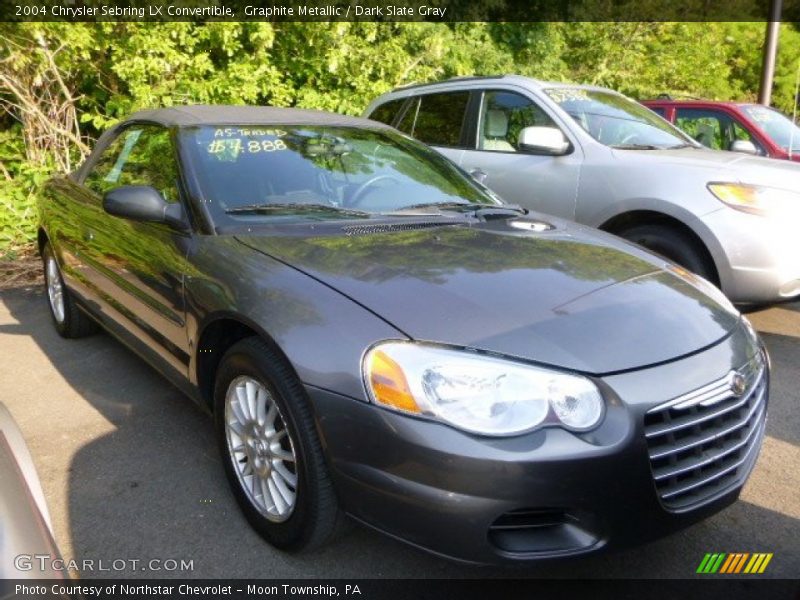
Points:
point(145, 204)
point(543, 140)
point(744, 146)
point(479, 175)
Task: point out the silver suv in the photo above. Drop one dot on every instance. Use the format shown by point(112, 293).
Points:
point(594, 156)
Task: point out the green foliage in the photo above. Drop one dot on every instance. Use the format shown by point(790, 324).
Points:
point(113, 69)
point(18, 181)
point(787, 70)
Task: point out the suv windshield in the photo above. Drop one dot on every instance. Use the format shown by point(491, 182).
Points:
point(615, 121)
point(776, 125)
point(319, 172)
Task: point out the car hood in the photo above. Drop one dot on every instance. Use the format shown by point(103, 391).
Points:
point(726, 166)
point(569, 297)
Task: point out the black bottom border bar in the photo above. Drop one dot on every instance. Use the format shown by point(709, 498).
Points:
point(398, 589)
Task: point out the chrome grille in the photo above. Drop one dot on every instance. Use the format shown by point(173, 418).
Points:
point(705, 442)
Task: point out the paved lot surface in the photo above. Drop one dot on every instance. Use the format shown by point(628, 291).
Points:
point(130, 471)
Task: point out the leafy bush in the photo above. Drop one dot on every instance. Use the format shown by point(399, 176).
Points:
point(86, 76)
point(19, 181)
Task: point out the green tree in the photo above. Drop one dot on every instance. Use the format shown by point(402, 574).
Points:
point(61, 84)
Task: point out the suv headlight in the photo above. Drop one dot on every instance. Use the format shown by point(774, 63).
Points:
point(757, 199)
point(477, 393)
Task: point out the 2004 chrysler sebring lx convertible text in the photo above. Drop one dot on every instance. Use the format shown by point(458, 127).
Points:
point(377, 335)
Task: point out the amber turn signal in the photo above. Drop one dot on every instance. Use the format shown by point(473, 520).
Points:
point(389, 384)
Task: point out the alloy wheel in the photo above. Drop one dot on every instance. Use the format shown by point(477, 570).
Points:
point(55, 290)
point(260, 448)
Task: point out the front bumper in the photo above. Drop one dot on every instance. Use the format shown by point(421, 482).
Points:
point(761, 260)
point(547, 494)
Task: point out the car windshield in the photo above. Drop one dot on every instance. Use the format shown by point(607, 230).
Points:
point(319, 172)
point(776, 125)
point(615, 121)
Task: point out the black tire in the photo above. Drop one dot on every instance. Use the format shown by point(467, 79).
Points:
point(675, 245)
point(75, 323)
point(316, 514)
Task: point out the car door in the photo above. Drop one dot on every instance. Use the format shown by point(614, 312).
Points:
point(540, 182)
point(69, 213)
point(139, 267)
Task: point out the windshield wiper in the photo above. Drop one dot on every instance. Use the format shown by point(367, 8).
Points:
point(679, 146)
point(636, 147)
point(473, 207)
point(294, 207)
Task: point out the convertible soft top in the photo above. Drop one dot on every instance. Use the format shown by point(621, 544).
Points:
point(180, 116)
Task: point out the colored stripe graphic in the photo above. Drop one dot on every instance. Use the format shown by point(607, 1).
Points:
point(749, 568)
point(711, 563)
point(703, 563)
point(728, 564)
point(765, 563)
point(734, 563)
point(716, 565)
point(758, 563)
point(731, 560)
point(741, 562)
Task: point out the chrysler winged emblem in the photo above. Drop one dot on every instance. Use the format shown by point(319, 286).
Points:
point(738, 383)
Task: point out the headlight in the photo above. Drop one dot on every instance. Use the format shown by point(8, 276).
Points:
point(757, 199)
point(476, 393)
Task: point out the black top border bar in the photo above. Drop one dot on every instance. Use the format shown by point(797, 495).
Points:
point(392, 10)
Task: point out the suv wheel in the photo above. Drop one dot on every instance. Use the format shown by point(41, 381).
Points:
point(675, 245)
point(271, 453)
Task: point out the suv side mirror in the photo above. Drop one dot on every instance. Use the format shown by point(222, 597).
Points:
point(145, 204)
point(543, 140)
point(744, 146)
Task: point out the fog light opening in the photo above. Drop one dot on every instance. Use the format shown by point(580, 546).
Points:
point(539, 530)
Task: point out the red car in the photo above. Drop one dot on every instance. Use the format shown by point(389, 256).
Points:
point(737, 126)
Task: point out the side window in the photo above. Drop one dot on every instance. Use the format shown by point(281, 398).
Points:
point(406, 124)
point(705, 126)
point(100, 178)
point(740, 133)
point(386, 113)
point(439, 118)
point(140, 155)
point(659, 110)
point(713, 128)
point(503, 116)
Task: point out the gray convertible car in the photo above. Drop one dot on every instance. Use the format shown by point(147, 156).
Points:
point(377, 335)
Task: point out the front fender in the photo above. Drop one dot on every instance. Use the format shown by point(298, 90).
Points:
point(285, 305)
